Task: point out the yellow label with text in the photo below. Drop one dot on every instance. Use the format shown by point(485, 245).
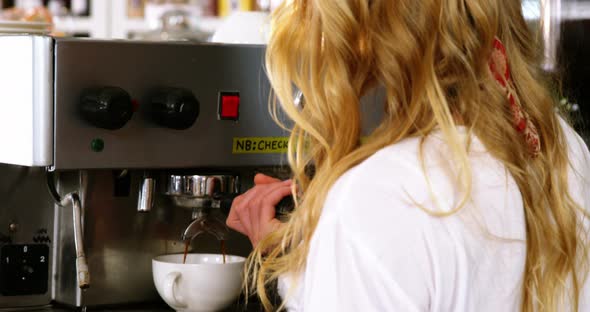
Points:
point(260, 145)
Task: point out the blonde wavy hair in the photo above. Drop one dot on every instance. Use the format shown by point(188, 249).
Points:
point(431, 58)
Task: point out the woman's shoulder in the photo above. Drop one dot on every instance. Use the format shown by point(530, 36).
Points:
point(382, 176)
point(408, 173)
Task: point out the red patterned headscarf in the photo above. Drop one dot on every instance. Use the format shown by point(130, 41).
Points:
point(500, 70)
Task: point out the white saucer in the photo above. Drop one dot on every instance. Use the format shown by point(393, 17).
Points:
point(18, 27)
point(24, 31)
point(24, 25)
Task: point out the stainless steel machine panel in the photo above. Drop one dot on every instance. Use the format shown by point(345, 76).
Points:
point(140, 68)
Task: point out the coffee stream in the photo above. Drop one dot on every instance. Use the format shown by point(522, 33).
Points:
point(223, 249)
point(187, 244)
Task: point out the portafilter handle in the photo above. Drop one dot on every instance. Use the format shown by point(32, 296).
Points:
point(205, 224)
point(225, 201)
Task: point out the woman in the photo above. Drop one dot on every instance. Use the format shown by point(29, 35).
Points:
point(471, 194)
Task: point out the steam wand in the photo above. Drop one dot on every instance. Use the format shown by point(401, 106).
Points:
point(81, 264)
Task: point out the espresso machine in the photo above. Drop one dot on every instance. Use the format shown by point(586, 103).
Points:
point(111, 149)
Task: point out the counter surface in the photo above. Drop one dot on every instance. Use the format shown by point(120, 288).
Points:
point(253, 307)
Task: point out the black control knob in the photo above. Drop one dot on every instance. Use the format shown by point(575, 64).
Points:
point(107, 107)
point(174, 108)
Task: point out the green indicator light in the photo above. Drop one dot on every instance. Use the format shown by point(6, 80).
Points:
point(97, 145)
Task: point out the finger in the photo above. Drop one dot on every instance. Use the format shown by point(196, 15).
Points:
point(233, 219)
point(272, 226)
point(239, 214)
point(249, 210)
point(263, 210)
point(245, 206)
point(267, 223)
point(237, 226)
point(272, 188)
point(270, 201)
point(243, 214)
point(257, 208)
point(264, 179)
point(260, 204)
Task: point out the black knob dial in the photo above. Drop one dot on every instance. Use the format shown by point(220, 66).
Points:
point(107, 107)
point(27, 270)
point(174, 108)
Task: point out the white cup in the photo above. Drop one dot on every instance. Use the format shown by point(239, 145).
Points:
point(204, 283)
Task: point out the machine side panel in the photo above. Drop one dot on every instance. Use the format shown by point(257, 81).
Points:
point(26, 109)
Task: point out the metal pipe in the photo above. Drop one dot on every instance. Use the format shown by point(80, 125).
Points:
point(147, 191)
point(50, 176)
point(81, 265)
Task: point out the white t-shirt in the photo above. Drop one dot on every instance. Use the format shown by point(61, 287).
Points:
point(375, 249)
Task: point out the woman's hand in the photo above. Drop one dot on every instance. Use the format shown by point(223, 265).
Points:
point(253, 213)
